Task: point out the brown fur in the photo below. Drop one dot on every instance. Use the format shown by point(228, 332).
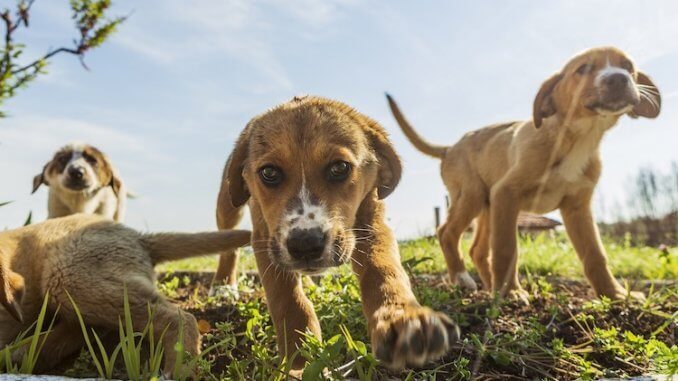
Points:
point(303, 138)
point(550, 162)
point(93, 259)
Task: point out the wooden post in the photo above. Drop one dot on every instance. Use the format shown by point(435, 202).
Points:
point(436, 210)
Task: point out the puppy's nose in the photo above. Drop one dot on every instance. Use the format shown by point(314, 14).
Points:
point(617, 81)
point(76, 173)
point(306, 244)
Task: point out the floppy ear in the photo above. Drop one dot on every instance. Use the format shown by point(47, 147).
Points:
point(120, 190)
point(39, 179)
point(650, 98)
point(390, 167)
point(544, 106)
point(117, 184)
point(234, 168)
point(11, 291)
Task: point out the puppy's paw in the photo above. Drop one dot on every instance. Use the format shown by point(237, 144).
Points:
point(623, 294)
point(412, 336)
point(520, 295)
point(637, 295)
point(464, 280)
point(227, 292)
point(18, 355)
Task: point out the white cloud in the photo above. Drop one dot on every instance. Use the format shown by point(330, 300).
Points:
point(314, 13)
point(206, 29)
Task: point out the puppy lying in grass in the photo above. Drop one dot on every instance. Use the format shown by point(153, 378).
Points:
point(92, 259)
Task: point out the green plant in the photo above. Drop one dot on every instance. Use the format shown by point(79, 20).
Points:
point(106, 369)
point(29, 346)
point(90, 21)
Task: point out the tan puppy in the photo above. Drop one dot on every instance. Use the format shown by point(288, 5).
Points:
point(549, 162)
point(82, 179)
point(93, 259)
point(315, 172)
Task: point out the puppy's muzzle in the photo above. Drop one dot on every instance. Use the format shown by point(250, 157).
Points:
point(76, 173)
point(616, 92)
point(616, 83)
point(76, 178)
point(306, 244)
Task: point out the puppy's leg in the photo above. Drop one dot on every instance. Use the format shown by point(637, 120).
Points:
point(460, 215)
point(402, 331)
point(227, 218)
point(9, 328)
point(62, 342)
point(480, 249)
point(169, 317)
point(291, 311)
point(585, 238)
point(104, 307)
point(504, 212)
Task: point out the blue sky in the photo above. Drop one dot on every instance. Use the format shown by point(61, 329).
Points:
point(167, 95)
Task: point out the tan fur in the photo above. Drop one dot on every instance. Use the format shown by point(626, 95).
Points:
point(92, 259)
point(103, 191)
point(550, 162)
point(304, 137)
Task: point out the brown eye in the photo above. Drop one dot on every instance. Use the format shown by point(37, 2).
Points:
point(585, 69)
point(90, 159)
point(338, 171)
point(64, 159)
point(627, 65)
point(271, 175)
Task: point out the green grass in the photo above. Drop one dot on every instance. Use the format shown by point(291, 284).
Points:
point(565, 333)
point(540, 255)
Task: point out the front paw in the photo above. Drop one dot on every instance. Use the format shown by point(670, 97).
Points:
point(464, 281)
point(412, 336)
point(520, 295)
point(623, 294)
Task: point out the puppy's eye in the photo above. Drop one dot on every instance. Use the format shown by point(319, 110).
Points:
point(338, 171)
point(64, 159)
point(627, 65)
point(90, 159)
point(270, 175)
point(585, 68)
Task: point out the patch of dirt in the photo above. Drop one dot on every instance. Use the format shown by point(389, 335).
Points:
point(512, 340)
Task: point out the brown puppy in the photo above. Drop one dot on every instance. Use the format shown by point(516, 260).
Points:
point(82, 179)
point(549, 162)
point(315, 172)
point(92, 259)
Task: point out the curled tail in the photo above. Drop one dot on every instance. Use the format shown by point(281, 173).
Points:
point(163, 247)
point(419, 142)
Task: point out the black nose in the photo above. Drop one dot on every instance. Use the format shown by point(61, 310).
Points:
point(617, 81)
point(76, 173)
point(306, 244)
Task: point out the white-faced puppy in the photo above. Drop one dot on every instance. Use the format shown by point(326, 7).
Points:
point(314, 172)
point(94, 260)
point(549, 162)
point(82, 179)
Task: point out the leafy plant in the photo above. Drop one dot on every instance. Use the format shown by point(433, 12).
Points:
point(93, 28)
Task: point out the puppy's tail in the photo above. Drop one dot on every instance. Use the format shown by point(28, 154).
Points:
point(419, 142)
point(163, 247)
